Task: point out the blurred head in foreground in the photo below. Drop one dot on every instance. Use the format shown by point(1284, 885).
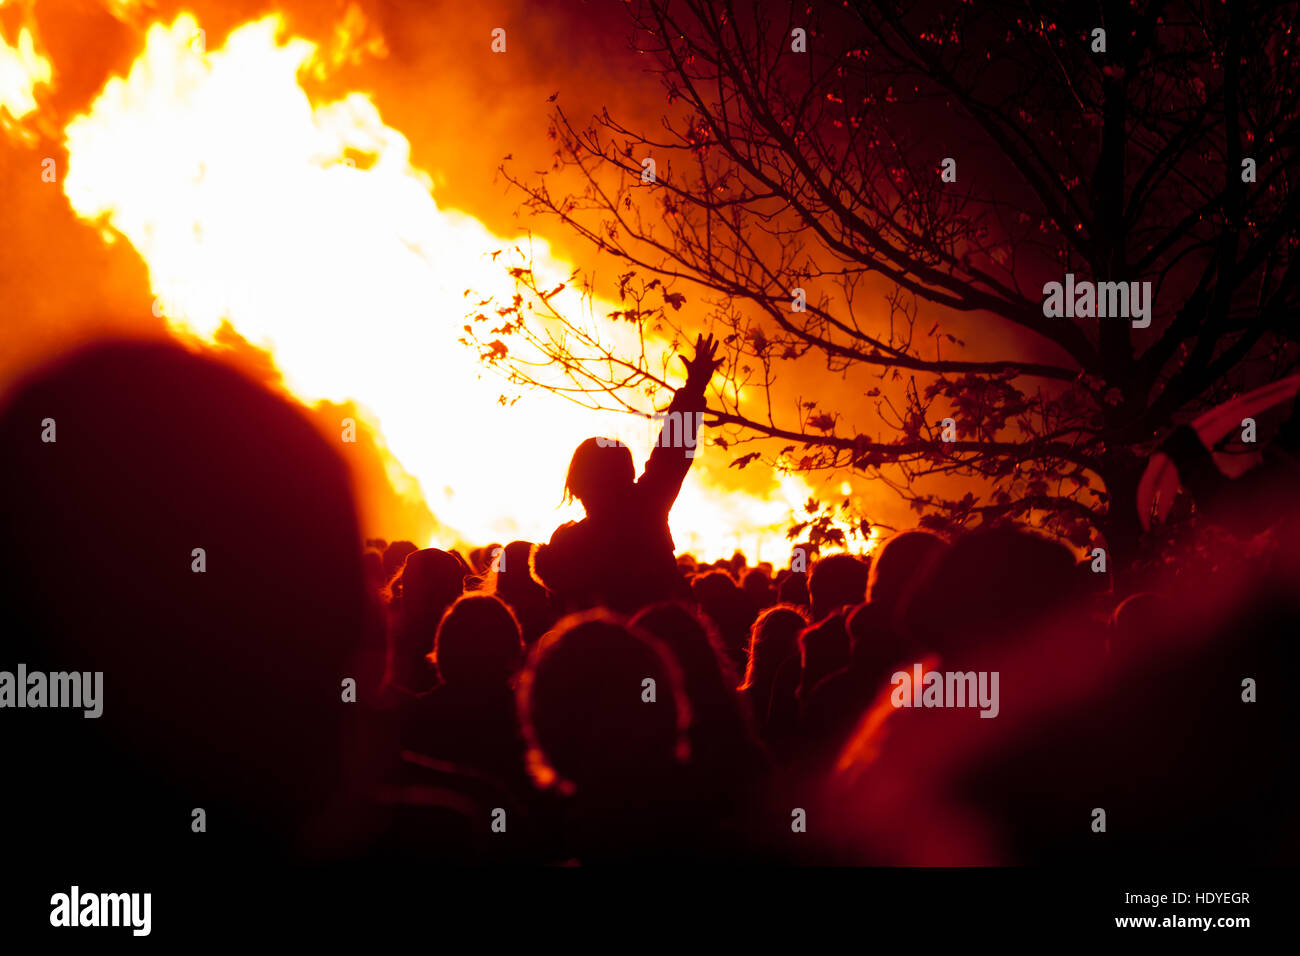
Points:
point(187, 533)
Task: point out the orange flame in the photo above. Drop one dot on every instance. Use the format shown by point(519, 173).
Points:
point(307, 228)
point(22, 70)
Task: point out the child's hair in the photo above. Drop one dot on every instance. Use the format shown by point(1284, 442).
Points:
point(598, 464)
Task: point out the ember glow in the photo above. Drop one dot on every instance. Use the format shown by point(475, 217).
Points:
point(306, 226)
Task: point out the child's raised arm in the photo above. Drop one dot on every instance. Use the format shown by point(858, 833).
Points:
point(671, 457)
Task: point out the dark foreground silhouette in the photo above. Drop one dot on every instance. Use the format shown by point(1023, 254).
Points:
point(189, 535)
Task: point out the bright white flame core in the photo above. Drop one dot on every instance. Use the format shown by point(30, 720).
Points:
point(236, 192)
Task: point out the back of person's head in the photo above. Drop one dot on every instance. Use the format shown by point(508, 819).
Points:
point(792, 588)
point(986, 587)
point(724, 747)
point(600, 474)
point(603, 708)
point(773, 639)
point(430, 580)
point(394, 555)
point(837, 580)
point(713, 587)
point(900, 564)
point(729, 608)
point(478, 642)
point(758, 585)
point(482, 559)
point(695, 646)
point(191, 536)
point(511, 574)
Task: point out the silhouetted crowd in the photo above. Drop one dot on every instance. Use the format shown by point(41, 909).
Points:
point(581, 700)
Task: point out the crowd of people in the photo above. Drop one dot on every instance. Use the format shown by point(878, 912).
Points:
point(597, 697)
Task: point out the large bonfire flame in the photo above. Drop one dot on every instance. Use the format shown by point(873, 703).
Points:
point(22, 70)
point(306, 227)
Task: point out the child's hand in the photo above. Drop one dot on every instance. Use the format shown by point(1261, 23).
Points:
point(701, 368)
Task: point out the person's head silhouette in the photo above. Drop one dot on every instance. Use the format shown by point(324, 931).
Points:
point(774, 638)
point(836, 581)
point(193, 537)
point(583, 703)
point(511, 577)
point(899, 564)
point(987, 587)
point(478, 642)
point(601, 475)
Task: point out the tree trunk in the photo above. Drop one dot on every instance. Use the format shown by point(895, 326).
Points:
point(1122, 471)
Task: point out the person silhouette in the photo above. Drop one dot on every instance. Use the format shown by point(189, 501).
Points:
point(1248, 503)
point(429, 581)
point(469, 719)
point(511, 580)
point(225, 682)
point(620, 555)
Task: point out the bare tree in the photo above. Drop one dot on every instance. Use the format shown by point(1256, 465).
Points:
point(798, 191)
